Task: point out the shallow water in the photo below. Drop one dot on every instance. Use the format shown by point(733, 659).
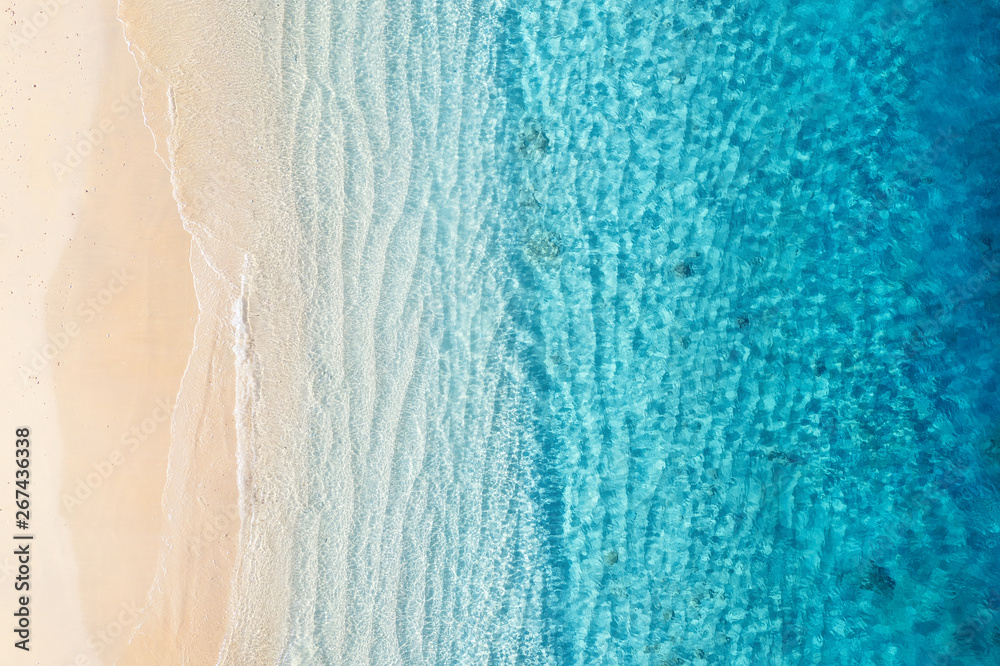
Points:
point(646, 333)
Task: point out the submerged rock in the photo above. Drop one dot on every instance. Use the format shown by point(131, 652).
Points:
point(879, 580)
point(533, 142)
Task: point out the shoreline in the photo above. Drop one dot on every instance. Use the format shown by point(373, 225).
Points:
point(165, 498)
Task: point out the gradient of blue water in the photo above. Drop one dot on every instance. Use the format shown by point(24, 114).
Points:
point(648, 332)
point(758, 281)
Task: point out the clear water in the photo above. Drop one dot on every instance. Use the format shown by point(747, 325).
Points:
point(648, 332)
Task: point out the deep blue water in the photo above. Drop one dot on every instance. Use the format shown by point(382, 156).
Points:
point(648, 332)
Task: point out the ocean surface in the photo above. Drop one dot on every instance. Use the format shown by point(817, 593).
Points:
point(643, 332)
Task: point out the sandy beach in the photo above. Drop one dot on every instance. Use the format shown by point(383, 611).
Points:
point(100, 313)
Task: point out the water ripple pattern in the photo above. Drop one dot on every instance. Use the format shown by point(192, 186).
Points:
point(758, 262)
point(418, 543)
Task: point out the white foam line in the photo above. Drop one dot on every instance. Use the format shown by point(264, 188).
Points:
point(189, 225)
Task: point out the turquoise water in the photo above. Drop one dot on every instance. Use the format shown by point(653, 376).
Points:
point(648, 333)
